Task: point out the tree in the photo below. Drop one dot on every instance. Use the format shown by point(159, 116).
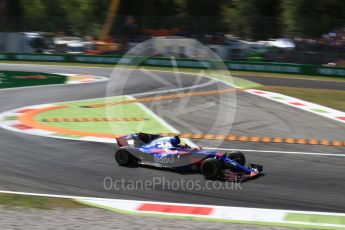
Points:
point(152, 13)
point(312, 18)
point(205, 16)
point(12, 19)
point(251, 19)
point(254, 19)
point(34, 14)
point(78, 17)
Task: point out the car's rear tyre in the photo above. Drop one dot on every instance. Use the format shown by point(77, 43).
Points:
point(124, 158)
point(211, 168)
point(238, 157)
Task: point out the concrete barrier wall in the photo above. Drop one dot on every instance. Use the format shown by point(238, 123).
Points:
point(187, 63)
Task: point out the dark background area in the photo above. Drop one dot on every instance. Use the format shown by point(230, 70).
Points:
point(250, 19)
point(315, 27)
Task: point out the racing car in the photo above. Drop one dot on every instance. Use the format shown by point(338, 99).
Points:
point(169, 152)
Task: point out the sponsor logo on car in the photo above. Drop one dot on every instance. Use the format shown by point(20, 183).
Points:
point(164, 159)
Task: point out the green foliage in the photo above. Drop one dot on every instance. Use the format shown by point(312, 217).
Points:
point(78, 17)
point(312, 18)
point(251, 19)
point(203, 7)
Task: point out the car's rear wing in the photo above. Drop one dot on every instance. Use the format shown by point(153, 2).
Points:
point(136, 139)
point(122, 141)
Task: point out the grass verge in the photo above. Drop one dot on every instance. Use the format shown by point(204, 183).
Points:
point(14, 200)
point(327, 97)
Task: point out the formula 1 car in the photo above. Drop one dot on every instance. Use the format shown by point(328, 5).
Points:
point(168, 152)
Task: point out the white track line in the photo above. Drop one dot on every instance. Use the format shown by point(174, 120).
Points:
point(130, 95)
point(174, 90)
point(182, 72)
point(278, 151)
point(300, 104)
point(242, 214)
point(170, 127)
point(155, 202)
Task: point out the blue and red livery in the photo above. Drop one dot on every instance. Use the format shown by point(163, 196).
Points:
point(168, 152)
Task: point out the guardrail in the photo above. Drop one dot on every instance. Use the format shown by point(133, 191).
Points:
point(187, 63)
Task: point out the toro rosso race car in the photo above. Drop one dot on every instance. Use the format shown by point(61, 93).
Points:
point(168, 152)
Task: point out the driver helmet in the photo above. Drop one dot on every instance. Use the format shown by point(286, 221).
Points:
point(175, 141)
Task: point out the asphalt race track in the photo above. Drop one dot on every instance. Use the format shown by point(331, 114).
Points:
point(292, 181)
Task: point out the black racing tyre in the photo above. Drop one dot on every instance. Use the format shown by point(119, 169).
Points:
point(124, 158)
point(211, 168)
point(238, 157)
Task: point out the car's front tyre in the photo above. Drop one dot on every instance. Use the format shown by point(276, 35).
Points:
point(238, 157)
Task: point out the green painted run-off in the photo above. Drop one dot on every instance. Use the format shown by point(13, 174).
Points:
point(75, 110)
point(10, 79)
